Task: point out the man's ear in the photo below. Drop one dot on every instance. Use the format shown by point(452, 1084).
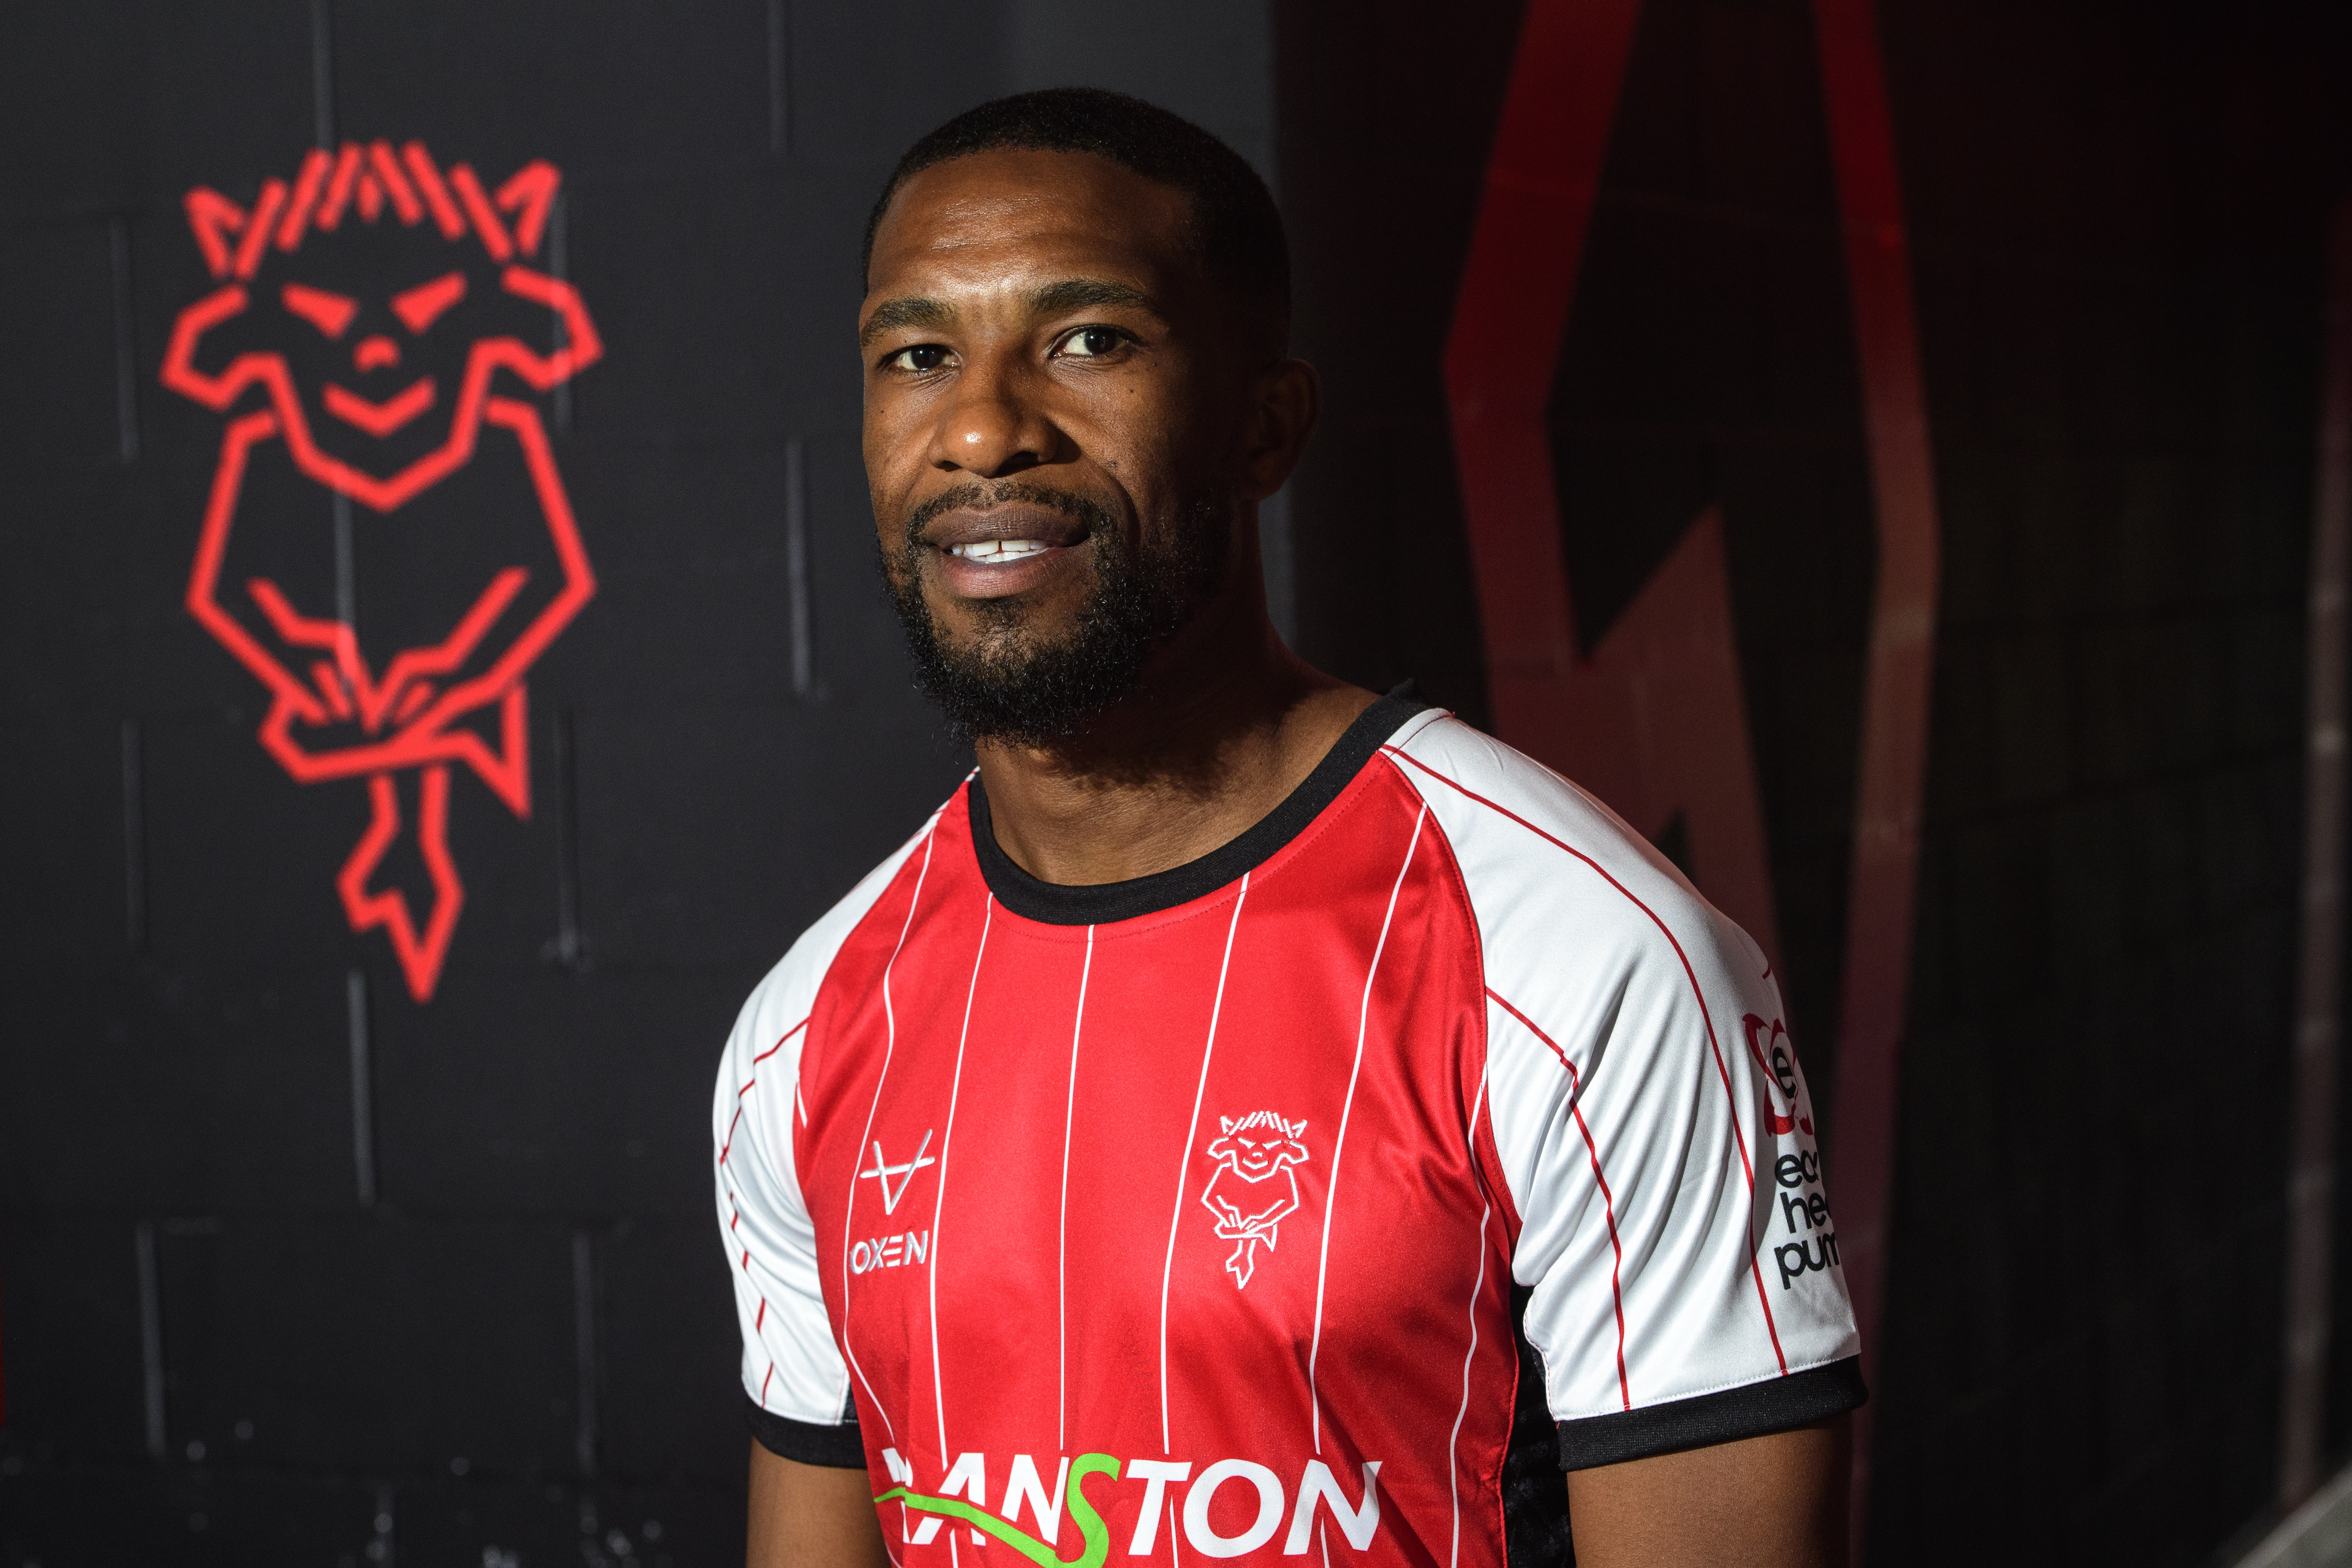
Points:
point(1286, 400)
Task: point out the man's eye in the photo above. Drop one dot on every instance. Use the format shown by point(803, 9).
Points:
point(1088, 342)
point(920, 358)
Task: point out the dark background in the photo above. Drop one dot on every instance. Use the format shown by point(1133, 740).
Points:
point(522, 1351)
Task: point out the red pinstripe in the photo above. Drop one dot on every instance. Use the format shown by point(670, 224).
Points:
point(1746, 1170)
point(737, 1217)
point(1608, 1202)
point(729, 1141)
point(779, 1046)
point(734, 1218)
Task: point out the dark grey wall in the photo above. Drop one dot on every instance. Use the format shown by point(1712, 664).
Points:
point(214, 1349)
point(2120, 255)
point(2117, 219)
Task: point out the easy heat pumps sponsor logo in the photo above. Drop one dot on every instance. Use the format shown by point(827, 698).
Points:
point(1261, 1505)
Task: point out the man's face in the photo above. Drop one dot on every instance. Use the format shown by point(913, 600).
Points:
point(1054, 395)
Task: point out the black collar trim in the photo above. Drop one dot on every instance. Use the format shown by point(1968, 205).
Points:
point(1101, 903)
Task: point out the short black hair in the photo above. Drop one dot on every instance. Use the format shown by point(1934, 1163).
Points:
point(1235, 226)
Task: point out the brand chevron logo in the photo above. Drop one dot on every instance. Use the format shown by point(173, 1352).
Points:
point(883, 1171)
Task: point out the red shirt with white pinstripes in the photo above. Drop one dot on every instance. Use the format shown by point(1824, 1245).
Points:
point(1229, 1175)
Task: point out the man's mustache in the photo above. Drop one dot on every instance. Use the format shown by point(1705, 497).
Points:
point(980, 497)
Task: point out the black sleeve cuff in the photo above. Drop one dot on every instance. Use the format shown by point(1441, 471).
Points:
point(805, 1442)
point(1723, 1416)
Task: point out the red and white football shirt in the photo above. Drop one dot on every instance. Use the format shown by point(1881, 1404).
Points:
point(1206, 1215)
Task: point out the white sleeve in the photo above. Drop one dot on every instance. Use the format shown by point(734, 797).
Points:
point(1656, 1136)
point(792, 1369)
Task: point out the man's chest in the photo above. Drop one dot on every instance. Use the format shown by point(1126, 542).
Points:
point(1210, 1189)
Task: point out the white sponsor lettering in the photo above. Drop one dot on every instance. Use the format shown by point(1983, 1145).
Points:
point(968, 1476)
point(1025, 1492)
point(1024, 1482)
point(1206, 1540)
point(902, 1471)
point(1155, 1474)
point(1317, 1484)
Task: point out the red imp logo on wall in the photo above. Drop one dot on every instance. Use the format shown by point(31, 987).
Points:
point(338, 380)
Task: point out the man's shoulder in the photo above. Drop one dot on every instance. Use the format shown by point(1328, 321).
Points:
point(787, 993)
point(1540, 857)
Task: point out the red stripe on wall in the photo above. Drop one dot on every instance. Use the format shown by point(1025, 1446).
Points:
point(1547, 698)
point(1502, 347)
point(1652, 716)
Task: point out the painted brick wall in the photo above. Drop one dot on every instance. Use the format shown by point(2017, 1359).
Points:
point(219, 1347)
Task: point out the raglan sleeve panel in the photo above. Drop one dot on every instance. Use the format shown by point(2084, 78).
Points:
point(1652, 1126)
point(795, 1378)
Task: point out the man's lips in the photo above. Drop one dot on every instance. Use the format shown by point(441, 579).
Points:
point(1008, 522)
point(1000, 550)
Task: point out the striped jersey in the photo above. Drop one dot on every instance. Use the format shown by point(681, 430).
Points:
point(1323, 1195)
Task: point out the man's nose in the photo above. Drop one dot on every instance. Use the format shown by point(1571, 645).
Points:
point(374, 351)
point(989, 429)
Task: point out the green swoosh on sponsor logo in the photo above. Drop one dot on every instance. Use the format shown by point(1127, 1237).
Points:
point(1091, 1527)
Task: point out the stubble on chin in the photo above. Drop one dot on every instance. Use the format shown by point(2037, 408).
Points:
point(1005, 679)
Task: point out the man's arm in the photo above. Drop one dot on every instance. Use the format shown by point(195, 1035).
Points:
point(1776, 1501)
point(812, 1516)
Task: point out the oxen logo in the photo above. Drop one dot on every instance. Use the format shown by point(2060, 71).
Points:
point(371, 319)
point(1254, 1190)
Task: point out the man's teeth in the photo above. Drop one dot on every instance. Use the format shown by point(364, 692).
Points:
point(999, 550)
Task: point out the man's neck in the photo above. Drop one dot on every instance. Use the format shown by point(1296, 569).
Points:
point(1204, 747)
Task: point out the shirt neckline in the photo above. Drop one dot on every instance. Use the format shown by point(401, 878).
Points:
point(1102, 903)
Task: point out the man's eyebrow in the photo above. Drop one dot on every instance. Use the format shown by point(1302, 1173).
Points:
point(914, 311)
point(1078, 293)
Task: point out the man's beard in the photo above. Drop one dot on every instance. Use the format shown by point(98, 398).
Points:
point(1009, 684)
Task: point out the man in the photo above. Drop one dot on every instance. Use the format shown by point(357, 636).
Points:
point(1246, 1093)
